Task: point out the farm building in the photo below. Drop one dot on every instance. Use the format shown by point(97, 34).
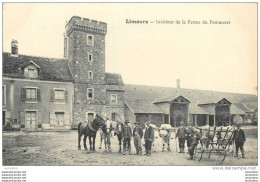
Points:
point(46, 93)
point(198, 107)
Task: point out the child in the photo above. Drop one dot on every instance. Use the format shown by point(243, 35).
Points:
point(138, 135)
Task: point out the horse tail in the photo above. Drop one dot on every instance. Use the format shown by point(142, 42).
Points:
point(79, 125)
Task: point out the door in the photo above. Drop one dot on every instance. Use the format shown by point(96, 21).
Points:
point(3, 117)
point(59, 118)
point(30, 122)
point(90, 116)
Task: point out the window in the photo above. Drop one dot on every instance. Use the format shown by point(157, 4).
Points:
point(59, 118)
point(31, 73)
point(90, 93)
point(90, 57)
point(90, 75)
point(113, 116)
point(113, 99)
point(90, 40)
point(31, 94)
point(4, 95)
point(59, 94)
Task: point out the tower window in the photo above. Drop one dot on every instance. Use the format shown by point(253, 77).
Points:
point(90, 93)
point(90, 75)
point(90, 57)
point(113, 99)
point(90, 40)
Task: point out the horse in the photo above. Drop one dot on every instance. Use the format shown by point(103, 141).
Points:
point(89, 130)
point(119, 134)
point(106, 135)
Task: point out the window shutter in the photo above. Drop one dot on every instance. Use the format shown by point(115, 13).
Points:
point(39, 94)
point(67, 118)
point(39, 117)
point(66, 96)
point(23, 93)
point(22, 118)
point(52, 95)
point(52, 119)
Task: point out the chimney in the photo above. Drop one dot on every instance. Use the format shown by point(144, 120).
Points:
point(14, 47)
point(178, 83)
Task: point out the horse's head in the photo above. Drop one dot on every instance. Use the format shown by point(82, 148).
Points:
point(107, 127)
point(98, 121)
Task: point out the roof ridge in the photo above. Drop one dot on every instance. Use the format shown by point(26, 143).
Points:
point(188, 89)
point(37, 56)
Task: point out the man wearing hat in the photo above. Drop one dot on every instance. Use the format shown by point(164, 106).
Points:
point(181, 134)
point(148, 138)
point(239, 138)
point(138, 135)
point(127, 135)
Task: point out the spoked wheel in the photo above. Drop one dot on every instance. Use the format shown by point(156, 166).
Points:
point(221, 155)
point(198, 154)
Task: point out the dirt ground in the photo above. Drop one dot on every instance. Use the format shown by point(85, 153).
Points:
point(60, 148)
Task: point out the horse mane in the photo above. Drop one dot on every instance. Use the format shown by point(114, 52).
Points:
point(95, 123)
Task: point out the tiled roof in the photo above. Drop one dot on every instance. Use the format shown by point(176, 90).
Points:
point(243, 107)
point(50, 68)
point(114, 79)
point(236, 110)
point(165, 94)
point(194, 109)
point(143, 106)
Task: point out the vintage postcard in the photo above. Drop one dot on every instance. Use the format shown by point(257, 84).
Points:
point(129, 84)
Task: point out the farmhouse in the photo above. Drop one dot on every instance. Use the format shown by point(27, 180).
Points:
point(44, 93)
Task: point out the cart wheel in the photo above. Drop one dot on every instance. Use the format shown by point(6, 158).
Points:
point(198, 154)
point(222, 155)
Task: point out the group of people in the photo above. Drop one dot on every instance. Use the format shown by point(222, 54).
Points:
point(137, 134)
point(190, 134)
point(193, 136)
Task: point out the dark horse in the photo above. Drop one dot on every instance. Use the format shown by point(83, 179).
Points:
point(89, 130)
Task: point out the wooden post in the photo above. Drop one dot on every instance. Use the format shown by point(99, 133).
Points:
point(164, 119)
point(169, 119)
point(207, 123)
point(196, 119)
point(214, 120)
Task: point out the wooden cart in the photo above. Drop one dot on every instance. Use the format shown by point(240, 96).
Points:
point(215, 141)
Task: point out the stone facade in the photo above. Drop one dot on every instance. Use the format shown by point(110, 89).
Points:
point(85, 50)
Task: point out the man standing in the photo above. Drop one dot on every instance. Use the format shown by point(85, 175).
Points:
point(181, 132)
point(189, 133)
point(138, 135)
point(239, 138)
point(127, 135)
point(148, 138)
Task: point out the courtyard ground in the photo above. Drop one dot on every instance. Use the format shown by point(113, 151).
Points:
point(60, 148)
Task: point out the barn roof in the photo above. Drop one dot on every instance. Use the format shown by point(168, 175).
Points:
point(143, 106)
point(164, 94)
point(194, 109)
point(51, 69)
point(236, 110)
point(114, 79)
point(244, 107)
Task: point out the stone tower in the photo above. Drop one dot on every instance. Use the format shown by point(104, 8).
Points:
point(84, 47)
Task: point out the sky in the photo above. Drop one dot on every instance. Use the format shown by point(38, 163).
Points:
point(219, 57)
